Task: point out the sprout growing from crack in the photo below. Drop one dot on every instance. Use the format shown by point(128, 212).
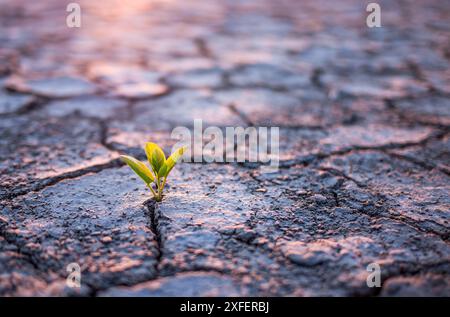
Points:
point(161, 167)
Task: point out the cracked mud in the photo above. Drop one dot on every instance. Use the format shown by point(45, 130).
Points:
point(364, 117)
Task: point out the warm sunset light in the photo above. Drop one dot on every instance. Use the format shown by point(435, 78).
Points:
point(233, 155)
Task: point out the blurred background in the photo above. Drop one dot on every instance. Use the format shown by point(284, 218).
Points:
point(364, 117)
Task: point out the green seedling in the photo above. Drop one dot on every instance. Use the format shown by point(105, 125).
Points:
point(161, 167)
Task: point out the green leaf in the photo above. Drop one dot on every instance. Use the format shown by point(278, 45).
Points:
point(139, 168)
point(170, 162)
point(155, 156)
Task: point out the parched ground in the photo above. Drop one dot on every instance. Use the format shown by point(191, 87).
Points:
point(364, 117)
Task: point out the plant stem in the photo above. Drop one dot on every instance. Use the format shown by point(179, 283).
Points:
point(159, 189)
point(153, 192)
point(160, 186)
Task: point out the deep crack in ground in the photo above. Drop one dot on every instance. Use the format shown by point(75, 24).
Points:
point(364, 148)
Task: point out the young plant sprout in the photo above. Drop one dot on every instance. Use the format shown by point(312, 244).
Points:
point(161, 167)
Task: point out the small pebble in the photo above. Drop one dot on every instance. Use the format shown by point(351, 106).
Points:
point(106, 239)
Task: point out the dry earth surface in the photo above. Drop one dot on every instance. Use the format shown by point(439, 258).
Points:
point(364, 117)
